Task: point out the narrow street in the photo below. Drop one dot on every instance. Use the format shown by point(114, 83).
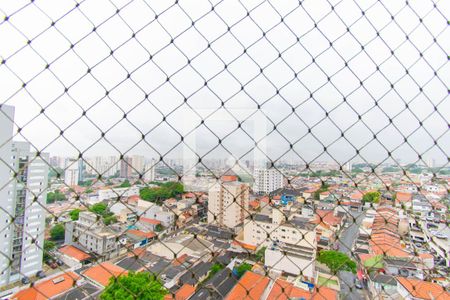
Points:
point(346, 240)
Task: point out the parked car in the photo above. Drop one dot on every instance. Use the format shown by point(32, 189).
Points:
point(358, 284)
point(25, 280)
point(40, 274)
point(51, 263)
point(440, 235)
point(60, 262)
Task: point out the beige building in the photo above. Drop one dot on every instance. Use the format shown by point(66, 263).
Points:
point(228, 203)
point(137, 164)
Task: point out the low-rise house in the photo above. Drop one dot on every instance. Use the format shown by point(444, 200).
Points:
point(196, 273)
point(415, 289)
point(292, 259)
point(404, 199)
point(284, 290)
point(153, 211)
point(125, 215)
point(185, 292)
point(82, 291)
point(217, 287)
point(421, 207)
point(138, 238)
point(117, 193)
point(328, 222)
point(48, 288)
point(279, 226)
point(91, 235)
point(195, 247)
point(382, 285)
point(251, 286)
point(101, 273)
point(73, 257)
point(149, 224)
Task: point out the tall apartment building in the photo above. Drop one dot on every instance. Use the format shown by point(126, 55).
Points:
point(81, 170)
point(23, 197)
point(106, 166)
point(72, 173)
point(137, 163)
point(150, 172)
point(125, 167)
point(228, 202)
point(267, 180)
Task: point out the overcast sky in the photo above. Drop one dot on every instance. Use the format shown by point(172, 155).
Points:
point(302, 50)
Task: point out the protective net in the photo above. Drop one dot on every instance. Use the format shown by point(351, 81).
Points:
point(224, 149)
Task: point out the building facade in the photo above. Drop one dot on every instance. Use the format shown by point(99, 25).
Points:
point(91, 235)
point(137, 164)
point(150, 172)
point(228, 203)
point(126, 169)
point(267, 180)
point(23, 199)
point(72, 173)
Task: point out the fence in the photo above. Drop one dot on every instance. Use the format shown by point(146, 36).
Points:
point(230, 149)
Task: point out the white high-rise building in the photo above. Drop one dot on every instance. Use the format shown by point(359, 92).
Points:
point(150, 172)
point(228, 202)
point(72, 174)
point(23, 197)
point(106, 166)
point(267, 180)
point(137, 163)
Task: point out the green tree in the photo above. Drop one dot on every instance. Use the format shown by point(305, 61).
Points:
point(164, 191)
point(133, 286)
point(323, 188)
point(55, 196)
point(99, 208)
point(48, 246)
point(125, 184)
point(215, 268)
point(111, 219)
point(336, 261)
point(371, 197)
point(242, 268)
point(259, 255)
point(57, 232)
point(158, 227)
point(74, 214)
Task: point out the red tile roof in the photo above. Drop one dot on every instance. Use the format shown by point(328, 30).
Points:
point(74, 253)
point(103, 272)
point(48, 288)
point(251, 286)
point(423, 289)
point(149, 221)
point(403, 197)
point(185, 292)
point(254, 204)
point(140, 233)
point(228, 178)
point(356, 196)
point(327, 217)
point(283, 290)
